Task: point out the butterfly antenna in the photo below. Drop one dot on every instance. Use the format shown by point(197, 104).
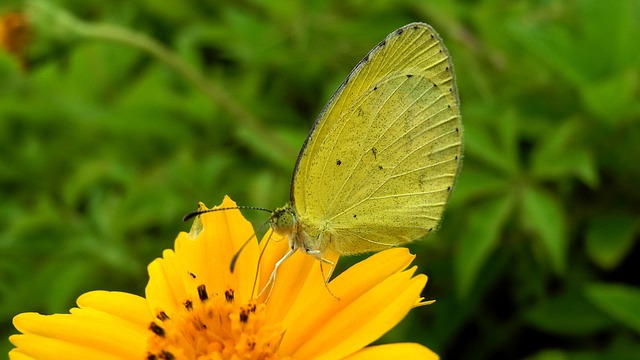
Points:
point(195, 213)
point(234, 259)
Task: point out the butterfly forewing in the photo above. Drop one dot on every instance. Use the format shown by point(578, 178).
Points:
point(379, 164)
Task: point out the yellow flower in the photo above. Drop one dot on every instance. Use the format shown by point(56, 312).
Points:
point(195, 308)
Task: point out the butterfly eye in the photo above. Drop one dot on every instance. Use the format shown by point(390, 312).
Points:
point(283, 221)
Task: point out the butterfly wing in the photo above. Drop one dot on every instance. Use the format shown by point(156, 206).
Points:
point(380, 162)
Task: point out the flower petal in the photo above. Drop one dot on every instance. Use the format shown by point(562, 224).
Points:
point(15, 354)
point(374, 278)
point(365, 319)
point(400, 351)
point(315, 303)
point(97, 333)
point(204, 257)
point(123, 305)
point(297, 273)
point(47, 348)
point(165, 290)
point(209, 256)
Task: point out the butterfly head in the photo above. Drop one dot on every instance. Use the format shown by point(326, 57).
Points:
point(284, 221)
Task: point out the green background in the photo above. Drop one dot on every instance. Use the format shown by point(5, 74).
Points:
point(104, 147)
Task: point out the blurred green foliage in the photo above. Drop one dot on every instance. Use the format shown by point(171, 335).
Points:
point(104, 147)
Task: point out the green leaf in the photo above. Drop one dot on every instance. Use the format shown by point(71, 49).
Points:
point(561, 354)
point(9, 73)
point(479, 240)
point(621, 302)
point(551, 44)
point(558, 156)
point(613, 99)
point(609, 238)
point(550, 354)
point(494, 143)
point(569, 47)
point(543, 216)
point(69, 281)
point(476, 183)
point(567, 314)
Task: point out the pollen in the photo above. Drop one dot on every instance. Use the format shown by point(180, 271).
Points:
point(214, 326)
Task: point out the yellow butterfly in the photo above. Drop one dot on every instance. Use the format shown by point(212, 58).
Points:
point(380, 162)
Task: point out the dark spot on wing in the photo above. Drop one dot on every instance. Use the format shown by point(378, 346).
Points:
point(355, 216)
point(457, 130)
point(374, 151)
point(338, 162)
point(409, 75)
point(379, 167)
point(188, 305)
point(399, 31)
point(366, 58)
point(193, 276)
point(448, 188)
point(421, 181)
point(375, 87)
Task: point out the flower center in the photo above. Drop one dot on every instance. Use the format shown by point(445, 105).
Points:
point(214, 326)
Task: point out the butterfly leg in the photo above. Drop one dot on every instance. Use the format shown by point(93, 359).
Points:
point(272, 279)
point(318, 256)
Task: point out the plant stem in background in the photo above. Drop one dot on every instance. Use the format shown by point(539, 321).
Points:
point(44, 14)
